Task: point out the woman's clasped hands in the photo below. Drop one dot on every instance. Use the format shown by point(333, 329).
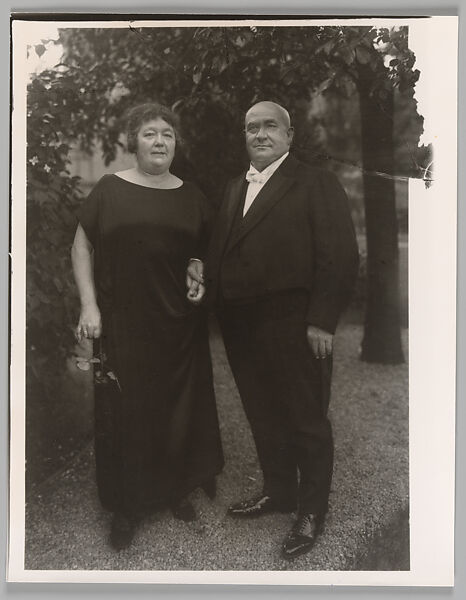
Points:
point(195, 281)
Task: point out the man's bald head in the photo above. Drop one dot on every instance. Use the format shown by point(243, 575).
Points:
point(273, 106)
point(268, 133)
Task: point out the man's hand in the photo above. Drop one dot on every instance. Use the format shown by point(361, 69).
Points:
point(90, 324)
point(195, 281)
point(320, 341)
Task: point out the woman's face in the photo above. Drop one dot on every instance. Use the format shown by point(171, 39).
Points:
point(155, 146)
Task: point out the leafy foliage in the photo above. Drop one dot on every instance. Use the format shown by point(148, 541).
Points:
point(210, 76)
point(52, 195)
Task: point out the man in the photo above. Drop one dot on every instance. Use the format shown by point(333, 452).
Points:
point(280, 268)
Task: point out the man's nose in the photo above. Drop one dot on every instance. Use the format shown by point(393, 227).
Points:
point(262, 133)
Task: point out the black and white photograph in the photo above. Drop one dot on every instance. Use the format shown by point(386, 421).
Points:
point(233, 299)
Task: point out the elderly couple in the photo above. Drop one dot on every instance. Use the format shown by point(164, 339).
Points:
point(279, 266)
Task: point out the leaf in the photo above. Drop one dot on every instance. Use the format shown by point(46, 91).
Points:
point(329, 46)
point(394, 62)
point(363, 55)
point(289, 77)
point(385, 37)
point(347, 54)
point(197, 77)
point(83, 365)
point(323, 86)
point(220, 64)
point(40, 49)
point(240, 41)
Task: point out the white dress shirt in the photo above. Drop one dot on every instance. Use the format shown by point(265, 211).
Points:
point(257, 180)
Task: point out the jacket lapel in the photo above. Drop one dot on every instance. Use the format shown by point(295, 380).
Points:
point(232, 201)
point(275, 188)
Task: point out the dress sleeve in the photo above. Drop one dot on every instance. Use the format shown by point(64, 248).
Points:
point(88, 213)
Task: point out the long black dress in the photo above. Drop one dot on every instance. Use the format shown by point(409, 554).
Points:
point(156, 427)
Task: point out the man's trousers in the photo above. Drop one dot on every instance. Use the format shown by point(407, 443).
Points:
point(285, 393)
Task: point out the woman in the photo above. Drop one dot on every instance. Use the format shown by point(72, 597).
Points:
point(157, 435)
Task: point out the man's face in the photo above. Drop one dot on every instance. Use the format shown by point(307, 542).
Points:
point(268, 134)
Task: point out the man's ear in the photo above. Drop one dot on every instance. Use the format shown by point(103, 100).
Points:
point(290, 134)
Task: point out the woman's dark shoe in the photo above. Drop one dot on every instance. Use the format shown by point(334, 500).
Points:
point(183, 510)
point(210, 488)
point(122, 531)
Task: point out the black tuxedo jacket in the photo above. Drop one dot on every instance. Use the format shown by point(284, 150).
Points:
point(298, 234)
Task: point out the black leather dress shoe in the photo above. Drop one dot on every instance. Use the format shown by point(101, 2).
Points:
point(122, 531)
point(303, 535)
point(255, 507)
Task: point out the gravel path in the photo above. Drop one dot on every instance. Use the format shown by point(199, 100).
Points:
point(67, 529)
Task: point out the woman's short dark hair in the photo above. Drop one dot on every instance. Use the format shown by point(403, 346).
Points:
point(142, 113)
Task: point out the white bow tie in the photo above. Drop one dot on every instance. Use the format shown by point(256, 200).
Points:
point(253, 176)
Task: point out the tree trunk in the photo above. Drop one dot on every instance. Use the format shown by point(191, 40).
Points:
point(382, 336)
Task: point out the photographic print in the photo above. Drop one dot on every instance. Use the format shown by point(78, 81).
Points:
point(233, 300)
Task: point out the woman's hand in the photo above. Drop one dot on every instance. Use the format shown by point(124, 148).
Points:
point(196, 292)
point(195, 281)
point(90, 323)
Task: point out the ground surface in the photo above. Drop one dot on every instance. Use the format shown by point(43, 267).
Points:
point(367, 526)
